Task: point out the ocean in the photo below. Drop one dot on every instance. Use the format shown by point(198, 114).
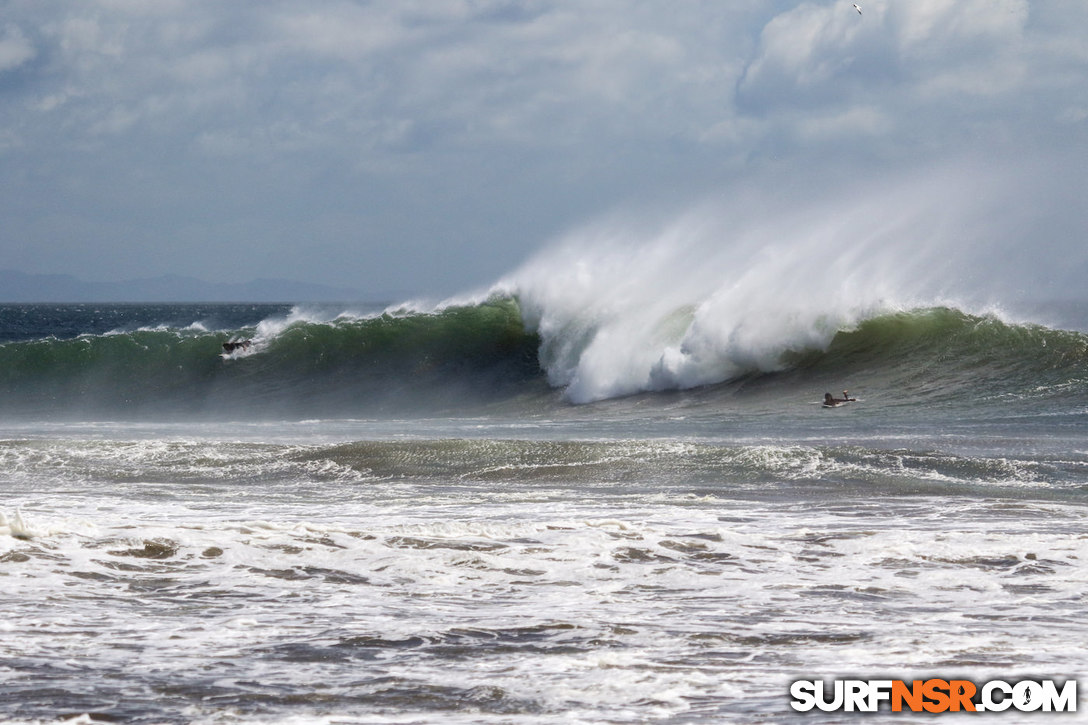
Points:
point(531, 506)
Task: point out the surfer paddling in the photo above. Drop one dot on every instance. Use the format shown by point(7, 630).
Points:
point(240, 345)
point(831, 401)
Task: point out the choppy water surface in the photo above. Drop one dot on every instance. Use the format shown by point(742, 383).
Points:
point(522, 509)
point(155, 577)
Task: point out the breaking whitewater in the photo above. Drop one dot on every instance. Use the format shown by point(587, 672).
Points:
point(601, 490)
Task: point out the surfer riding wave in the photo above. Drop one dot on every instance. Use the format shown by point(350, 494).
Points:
point(831, 401)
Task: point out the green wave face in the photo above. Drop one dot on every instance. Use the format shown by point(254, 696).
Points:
point(943, 351)
point(343, 367)
point(483, 353)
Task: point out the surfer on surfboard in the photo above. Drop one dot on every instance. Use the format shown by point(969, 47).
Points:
point(231, 346)
point(831, 402)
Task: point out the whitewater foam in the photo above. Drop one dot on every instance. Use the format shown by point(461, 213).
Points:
point(628, 304)
point(416, 571)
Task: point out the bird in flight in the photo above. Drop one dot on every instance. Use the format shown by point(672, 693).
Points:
point(857, 8)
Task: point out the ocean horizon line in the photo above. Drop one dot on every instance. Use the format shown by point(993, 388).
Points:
point(18, 287)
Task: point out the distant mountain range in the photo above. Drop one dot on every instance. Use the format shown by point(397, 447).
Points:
point(22, 287)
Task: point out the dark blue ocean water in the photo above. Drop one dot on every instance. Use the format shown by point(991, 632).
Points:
point(63, 321)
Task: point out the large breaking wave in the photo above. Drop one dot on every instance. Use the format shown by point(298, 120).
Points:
point(447, 360)
point(741, 285)
point(893, 291)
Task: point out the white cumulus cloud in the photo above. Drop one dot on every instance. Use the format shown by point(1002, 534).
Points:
point(15, 48)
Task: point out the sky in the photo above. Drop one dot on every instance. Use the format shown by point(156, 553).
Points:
point(431, 146)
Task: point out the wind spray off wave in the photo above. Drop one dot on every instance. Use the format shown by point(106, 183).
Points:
point(877, 285)
point(727, 289)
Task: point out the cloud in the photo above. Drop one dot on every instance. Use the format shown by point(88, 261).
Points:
point(896, 55)
point(15, 48)
point(855, 122)
point(457, 135)
point(373, 82)
point(476, 71)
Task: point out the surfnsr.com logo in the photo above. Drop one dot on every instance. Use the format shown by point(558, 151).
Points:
point(934, 695)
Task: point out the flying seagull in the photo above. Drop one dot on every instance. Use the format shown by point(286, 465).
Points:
point(857, 8)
